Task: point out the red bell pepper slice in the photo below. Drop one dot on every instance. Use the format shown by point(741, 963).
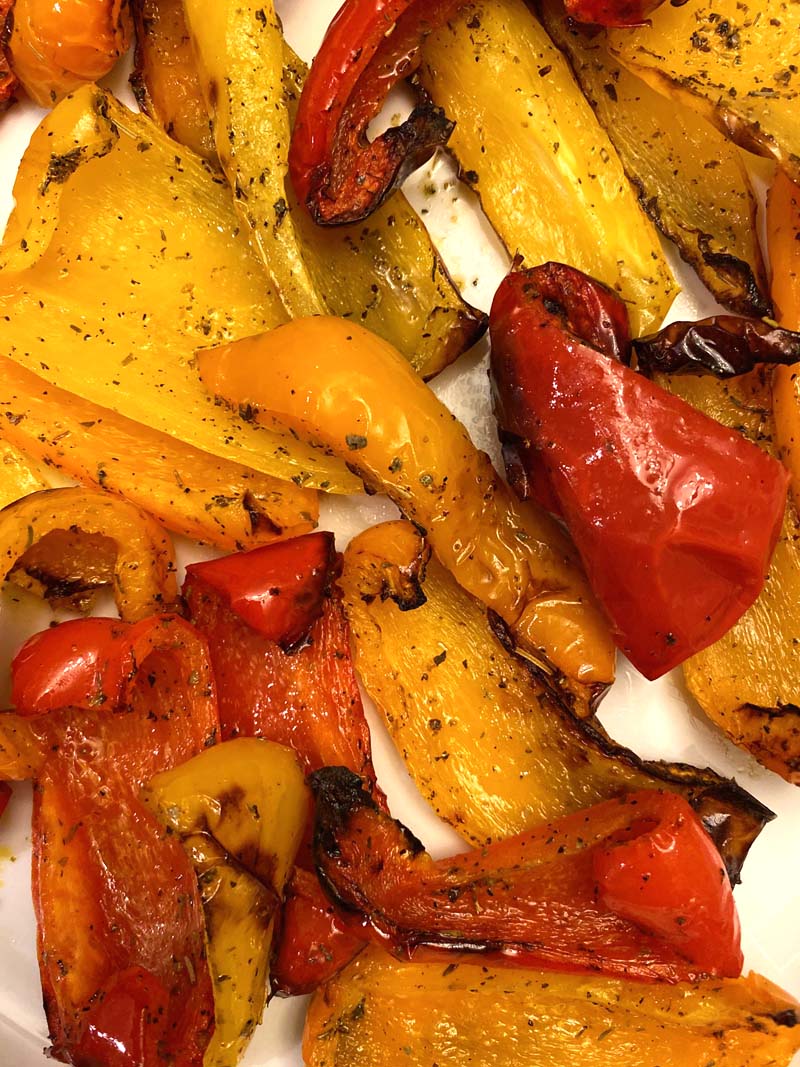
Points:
point(611, 12)
point(305, 696)
point(277, 589)
point(314, 941)
point(369, 46)
point(630, 887)
point(120, 922)
point(675, 516)
point(5, 796)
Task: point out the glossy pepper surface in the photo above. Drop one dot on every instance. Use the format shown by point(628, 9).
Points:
point(632, 887)
point(675, 516)
point(120, 923)
point(611, 12)
point(369, 46)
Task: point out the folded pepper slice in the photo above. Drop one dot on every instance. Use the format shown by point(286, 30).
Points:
point(631, 887)
point(370, 45)
point(120, 921)
point(64, 543)
point(675, 517)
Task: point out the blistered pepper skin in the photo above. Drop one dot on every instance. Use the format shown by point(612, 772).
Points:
point(675, 516)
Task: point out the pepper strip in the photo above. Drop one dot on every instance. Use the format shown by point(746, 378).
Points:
point(193, 493)
point(369, 46)
point(783, 239)
point(675, 516)
point(41, 535)
point(401, 440)
point(120, 926)
point(631, 887)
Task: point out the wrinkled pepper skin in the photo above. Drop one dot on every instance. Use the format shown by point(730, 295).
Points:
point(631, 887)
point(121, 956)
point(370, 45)
point(381, 1011)
point(675, 517)
point(279, 644)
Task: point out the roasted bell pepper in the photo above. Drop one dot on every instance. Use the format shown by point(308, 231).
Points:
point(19, 475)
point(190, 491)
point(239, 809)
point(783, 239)
point(441, 678)
point(254, 606)
point(675, 517)
point(370, 46)
point(400, 439)
point(315, 942)
point(54, 48)
point(5, 796)
point(382, 1011)
point(611, 12)
point(725, 345)
point(65, 542)
point(631, 887)
point(120, 922)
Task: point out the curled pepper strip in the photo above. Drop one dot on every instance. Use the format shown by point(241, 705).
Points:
point(675, 516)
point(631, 887)
point(121, 955)
point(369, 46)
point(65, 542)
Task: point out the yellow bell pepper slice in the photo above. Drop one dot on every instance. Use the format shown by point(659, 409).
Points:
point(191, 492)
point(240, 808)
point(382, 1011)
point(122, 256)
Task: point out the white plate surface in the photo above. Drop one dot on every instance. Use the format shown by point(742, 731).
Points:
point(654, 718)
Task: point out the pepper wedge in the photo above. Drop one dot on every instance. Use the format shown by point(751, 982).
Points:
point(548, 177)
point(497, 1017)
point(632, 887)
point(121, 955)
point(65, 542)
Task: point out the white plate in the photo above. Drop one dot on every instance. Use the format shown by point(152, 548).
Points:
point(653, 718)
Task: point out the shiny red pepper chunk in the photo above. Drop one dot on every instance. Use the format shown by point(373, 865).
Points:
point(120, 922)
point(674, 515)
point(277, 589)
point(611, 12)
point(631, 887)
point(314, 941)
point(5, 796)
point(369, 46)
